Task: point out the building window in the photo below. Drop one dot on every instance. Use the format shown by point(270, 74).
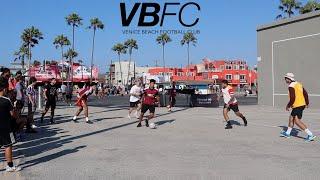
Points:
point(236, 67)
point(242, 77)
point(180, 73)
point(222, 67)
point(242, 67)
point(161, 73)
point(228, 76)
point(236, 77)
point(228, 67)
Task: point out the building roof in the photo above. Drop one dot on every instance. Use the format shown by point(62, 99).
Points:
point(287, 21)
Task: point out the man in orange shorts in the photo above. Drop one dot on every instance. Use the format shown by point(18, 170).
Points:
point(82, 99)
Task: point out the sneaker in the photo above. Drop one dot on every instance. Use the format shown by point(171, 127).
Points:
point(51, 121)
point(228, 126)
point(13, 169)
point(284, 134)
point(89, 122)
point(139, 125)
point(34, 126)
point(245, 121)
point(310, 138)
point(147, 123)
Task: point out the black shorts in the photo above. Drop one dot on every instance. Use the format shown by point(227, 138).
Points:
point(51, 104)
point(134, 104)
point(233, 107)
point(69, 96)
point(146, 107)
point(298, 111)
point(7, 139)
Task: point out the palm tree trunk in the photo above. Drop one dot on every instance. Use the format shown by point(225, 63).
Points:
point(120, 69)
point(134, 70)
point(188, 64)
point(62, 62)
point(164, 64)
point(129, 67)
point(29, 59)
point(71, 59)
point(94, 34)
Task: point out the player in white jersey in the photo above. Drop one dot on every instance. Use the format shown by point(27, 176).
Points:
point(135, 96)
point(230, 103)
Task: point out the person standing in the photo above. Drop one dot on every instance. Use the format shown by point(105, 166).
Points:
point(50, 95)
point(230, 103)
point(69, 92)
point(172, 96)
point(20, 94)
point(149, 100)
point(63, 91)
point(82, 101)
point(31, 93)
point(135, 95)
point(7, 138)
point(298, 101)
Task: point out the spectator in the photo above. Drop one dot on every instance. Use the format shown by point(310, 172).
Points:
point(6, 132)
point(63, 91)
point(20, 93)
point(31, 105)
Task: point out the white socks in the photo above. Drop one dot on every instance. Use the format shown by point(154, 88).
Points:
point(308, 132)
point(87, 119)
point(289, 130)
point(75, 118)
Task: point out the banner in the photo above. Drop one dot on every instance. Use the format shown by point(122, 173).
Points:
point(204, 100)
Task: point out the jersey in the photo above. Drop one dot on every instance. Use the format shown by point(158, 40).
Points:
point(299, 97)
point(227, 93)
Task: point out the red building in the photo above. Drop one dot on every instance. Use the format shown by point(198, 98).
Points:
point(237, 72)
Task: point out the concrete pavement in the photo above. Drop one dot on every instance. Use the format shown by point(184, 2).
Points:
point(188, 144)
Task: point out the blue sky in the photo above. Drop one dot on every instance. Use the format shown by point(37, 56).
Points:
point(228, 29)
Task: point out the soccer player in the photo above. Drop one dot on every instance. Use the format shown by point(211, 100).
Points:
point(230, 103)
point(7, 138)
point(50, 95)
point(83, 95)
point(172, 96)
point(298, 102)
point(150, 98)
point(135, 95)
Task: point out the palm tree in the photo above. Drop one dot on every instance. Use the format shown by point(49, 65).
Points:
point(131, 44)
point(70, 54)
point(311, 6)
point(187, 39)
point(163, 39)
point(21, 54)
point(73, 20)
point(61, 41)
point(95, 24)
point(287, 7)
point(30, 37)
point(120, 49)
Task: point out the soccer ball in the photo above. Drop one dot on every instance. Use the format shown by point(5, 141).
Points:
point(152, 126)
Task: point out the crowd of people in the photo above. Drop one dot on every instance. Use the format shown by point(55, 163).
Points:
point(15, 93)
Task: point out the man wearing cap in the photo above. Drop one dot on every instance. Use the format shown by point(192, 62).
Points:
point(298, 102)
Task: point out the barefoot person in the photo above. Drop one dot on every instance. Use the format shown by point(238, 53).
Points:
point(230, 103)
point(149, 99)
point(7, 138)
point(50, 95)
point(299, 100)
point(83, 95)
point(135, 95)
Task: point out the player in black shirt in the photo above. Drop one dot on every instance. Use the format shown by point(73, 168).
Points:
point(7, 138)
point(50, 95)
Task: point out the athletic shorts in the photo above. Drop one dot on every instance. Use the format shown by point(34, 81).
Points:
point(82, 102)
point(146, 107)
point(51, 104)
point(134, 104)
point(233, 107)
point(298, 111)
point(7, 139)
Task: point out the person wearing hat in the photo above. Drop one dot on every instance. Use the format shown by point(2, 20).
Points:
point(298, 102)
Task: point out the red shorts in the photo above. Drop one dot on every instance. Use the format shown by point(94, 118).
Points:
point(82, 102)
